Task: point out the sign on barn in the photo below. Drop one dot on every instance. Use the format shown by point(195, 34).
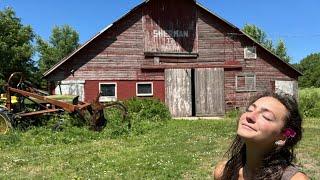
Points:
point(169, 33)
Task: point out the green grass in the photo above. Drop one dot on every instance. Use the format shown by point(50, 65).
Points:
point(180, 149)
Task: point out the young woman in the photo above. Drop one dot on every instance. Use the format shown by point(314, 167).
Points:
point(266, 135)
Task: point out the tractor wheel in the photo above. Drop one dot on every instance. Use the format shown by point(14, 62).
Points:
point(5, 124)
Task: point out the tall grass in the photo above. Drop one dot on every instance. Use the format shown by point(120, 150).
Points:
point(309, 102)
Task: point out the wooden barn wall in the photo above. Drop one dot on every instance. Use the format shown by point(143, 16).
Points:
point(170, 26)
point(215, 44)
point(125, 89)
point(118, 53)
point(115, 55)
point(219, 43)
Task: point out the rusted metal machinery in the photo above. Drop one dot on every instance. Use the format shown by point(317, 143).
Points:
point(42, 104)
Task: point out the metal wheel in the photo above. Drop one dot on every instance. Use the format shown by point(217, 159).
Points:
point(5, 124)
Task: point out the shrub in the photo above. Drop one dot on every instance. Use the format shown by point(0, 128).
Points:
point(309, 102)
point(148, 109)
point(144, 114)
point(147, 113)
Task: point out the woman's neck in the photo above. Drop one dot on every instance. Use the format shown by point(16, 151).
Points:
point(254, 157)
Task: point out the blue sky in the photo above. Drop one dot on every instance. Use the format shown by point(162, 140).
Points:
point(296, 22)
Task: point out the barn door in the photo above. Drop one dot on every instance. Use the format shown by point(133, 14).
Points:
point(209, 91)
point(178, 92)
point(288, 87)
point(75, 87)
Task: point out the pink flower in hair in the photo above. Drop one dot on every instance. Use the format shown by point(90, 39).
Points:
point(289, 133)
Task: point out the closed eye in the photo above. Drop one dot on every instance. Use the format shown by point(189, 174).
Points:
point(265, 117)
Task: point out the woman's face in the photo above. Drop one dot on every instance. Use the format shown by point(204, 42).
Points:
point(263, 121)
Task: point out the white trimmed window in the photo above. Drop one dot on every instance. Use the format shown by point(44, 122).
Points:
point(246, 82)
point(108, 92)
point(144, 88)
point(250, 52)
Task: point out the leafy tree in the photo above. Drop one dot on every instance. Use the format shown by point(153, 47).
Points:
point(16, 47)
point(258, 34)
point(310, 67)
point(281, 51)
point(261, 37)
point(63, 41)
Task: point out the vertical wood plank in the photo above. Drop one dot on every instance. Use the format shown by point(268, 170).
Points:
point(209, 91)
point(178, 92)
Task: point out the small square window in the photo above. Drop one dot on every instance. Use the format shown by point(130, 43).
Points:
point(250, 52)
point(246, 82)
point(108, 92)
point(144, 89)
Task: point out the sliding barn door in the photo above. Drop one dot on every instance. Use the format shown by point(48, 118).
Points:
point(178, 92)
point(209, 91)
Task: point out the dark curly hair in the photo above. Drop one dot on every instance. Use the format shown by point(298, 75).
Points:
point(275, 162)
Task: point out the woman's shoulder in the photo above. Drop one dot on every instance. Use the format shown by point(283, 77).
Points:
point(299, 176)
point(218, 170)
point(292, 172)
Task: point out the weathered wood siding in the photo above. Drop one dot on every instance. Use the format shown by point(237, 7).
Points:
point(170, 26)
point(209, 91)
point(116, 54)
point(219, 43)
point(178, 92)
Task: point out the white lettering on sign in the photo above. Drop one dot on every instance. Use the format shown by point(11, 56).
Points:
point(170, 33)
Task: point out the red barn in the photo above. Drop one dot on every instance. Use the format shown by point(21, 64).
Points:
point(177, 51)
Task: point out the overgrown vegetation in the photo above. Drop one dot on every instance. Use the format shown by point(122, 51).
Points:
point(143, 115)
point(309, 101)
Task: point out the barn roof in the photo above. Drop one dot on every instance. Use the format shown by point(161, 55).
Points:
point(48, 72)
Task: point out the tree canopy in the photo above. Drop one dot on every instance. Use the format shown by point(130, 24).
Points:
point(261, 37)
point(62, 42)
point(16, 48)
point(310, 67)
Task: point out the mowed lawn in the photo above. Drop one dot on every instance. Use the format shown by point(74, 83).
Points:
point(181, 149)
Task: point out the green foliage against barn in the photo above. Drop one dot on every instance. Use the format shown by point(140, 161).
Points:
point(261, 37)
point(63, 41)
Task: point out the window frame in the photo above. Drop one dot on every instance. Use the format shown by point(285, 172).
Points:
point(245, 52)
point(108, 98)
point(147, 94)
point(246, 75)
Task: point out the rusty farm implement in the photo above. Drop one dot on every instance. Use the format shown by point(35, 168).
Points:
point(22, 102)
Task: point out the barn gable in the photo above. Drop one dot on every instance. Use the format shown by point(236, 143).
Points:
point(159, 49)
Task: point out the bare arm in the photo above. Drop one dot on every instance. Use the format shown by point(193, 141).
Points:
point(218, 171)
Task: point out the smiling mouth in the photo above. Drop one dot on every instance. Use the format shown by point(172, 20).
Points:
point(248, 127)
